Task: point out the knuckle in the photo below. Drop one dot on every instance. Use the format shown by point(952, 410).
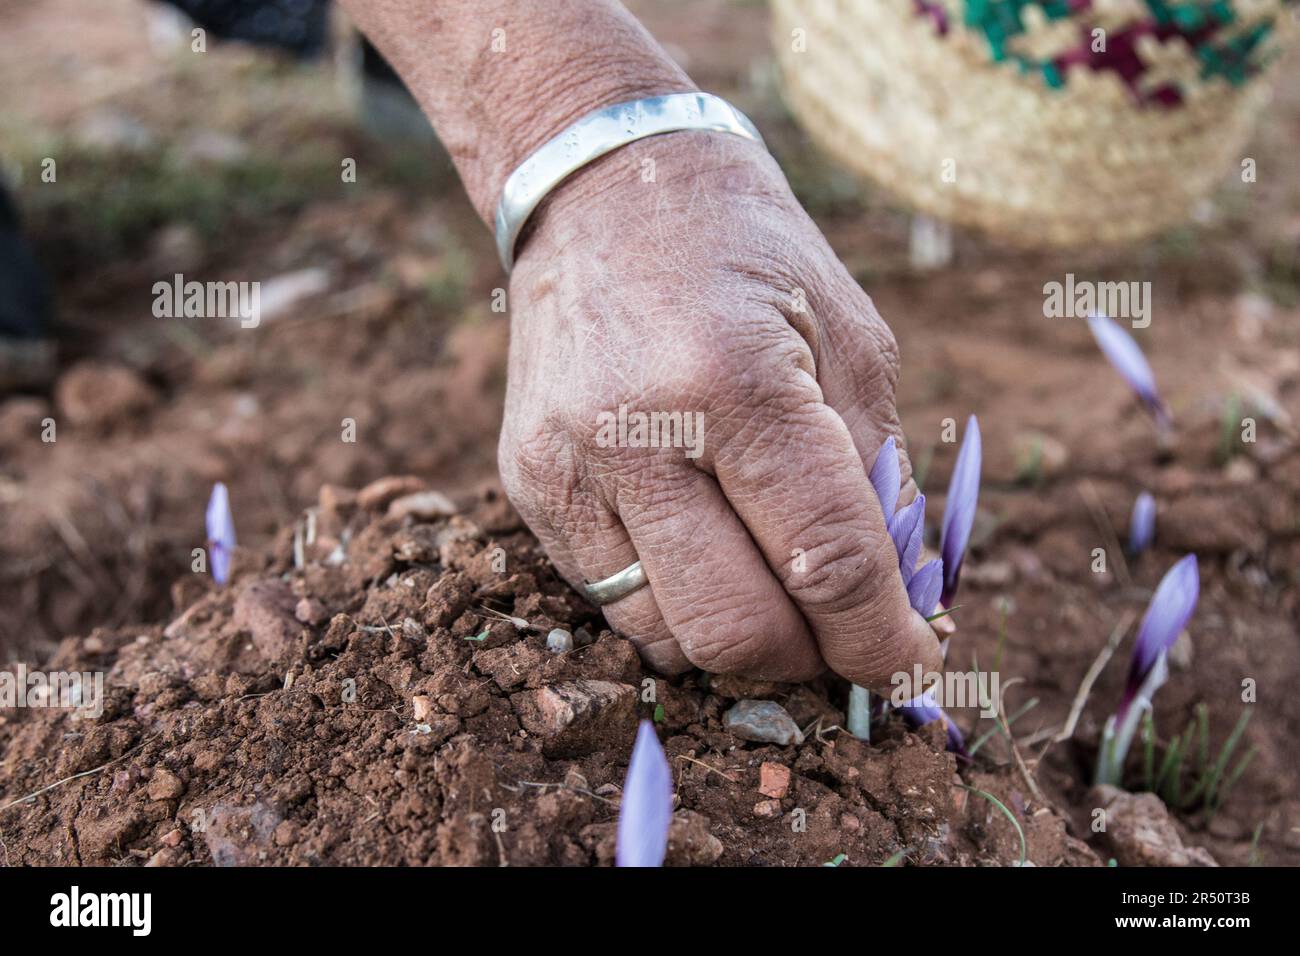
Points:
point(538, 465)
point(842, 572)
point(724, 636)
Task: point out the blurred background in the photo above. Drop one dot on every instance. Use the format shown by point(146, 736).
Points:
point(230, 164)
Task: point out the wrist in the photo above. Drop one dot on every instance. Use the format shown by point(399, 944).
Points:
point(559, 73)
point(655, 176)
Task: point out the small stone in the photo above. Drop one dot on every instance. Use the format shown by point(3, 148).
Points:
point(576, 717)
point(167, 856)
point(1241, 471)
point(311, 611)
point(265, 608)
point(559, 641)
point(1140, 832)
point(335, 499)
point(689, 841)
point(773, 780)
point(93, 645)
point(383, 491)
point(767, 809)
point(421, 708)
point(762, 721)
point(172, 838)
point(1180, 653)
point(280, 294)
point(582, 637)
point(164, 785)
point(285, 834)
point(422, 505)
point(208, 760)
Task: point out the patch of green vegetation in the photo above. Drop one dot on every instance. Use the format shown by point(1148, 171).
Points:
point(107, 203)
point(1190, 777)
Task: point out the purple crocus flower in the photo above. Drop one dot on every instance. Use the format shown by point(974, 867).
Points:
point(906, 529)
point(221, 532)
point(1118, 346)
point(923, 710)
point(1142, 526)
point(1170, 609)
point(924, 584)
point(1167, 615)
point(959, 509)
point(923, 590)
point(886, 477)
point(647, 808)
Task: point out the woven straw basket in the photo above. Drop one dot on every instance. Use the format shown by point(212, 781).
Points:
point(1025, 149)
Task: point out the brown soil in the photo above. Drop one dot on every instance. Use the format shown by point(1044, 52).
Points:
point(232, 735)
point(99, 525)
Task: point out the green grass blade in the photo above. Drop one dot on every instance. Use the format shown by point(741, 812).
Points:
point(1024, 847)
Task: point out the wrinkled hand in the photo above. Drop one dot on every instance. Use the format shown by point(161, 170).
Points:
point(709, 290)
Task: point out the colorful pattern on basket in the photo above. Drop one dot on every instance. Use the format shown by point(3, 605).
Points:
point(1160, 49)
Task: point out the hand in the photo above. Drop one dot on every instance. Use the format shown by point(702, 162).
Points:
point(709, 290)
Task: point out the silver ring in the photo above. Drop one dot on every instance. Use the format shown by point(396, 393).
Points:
point(616, 586)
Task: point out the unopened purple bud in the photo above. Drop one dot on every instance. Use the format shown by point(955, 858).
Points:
point(221, 533)
point(1142, 526)
point(646, 811)
point(959, 509)
point(923, 590)
point(1118, 346)
point(886, 477)
point(1167, 615)
point(907, 528)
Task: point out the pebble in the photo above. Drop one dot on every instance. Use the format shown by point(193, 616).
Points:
point(164, 785)
point(265, 609)
point(280, 294)
point(421, 708)
point(1140, 832)
point(762, 721)
point(311, 611)
point(383, 491)
point(559, 641)
point(577, 717)
point(773, 780)
point(767, 809)
point(1180, 654)
point(422, 505)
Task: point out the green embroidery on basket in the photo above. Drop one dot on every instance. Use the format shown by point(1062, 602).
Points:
point(1210, 28)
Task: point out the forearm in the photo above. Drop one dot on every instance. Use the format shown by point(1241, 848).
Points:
point(500, 77)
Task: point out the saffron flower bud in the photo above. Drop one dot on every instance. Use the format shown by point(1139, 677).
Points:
point(959, 509)
point(221, 533)
point(1142, 526)
point(1170, 609)
point(646, 811)
point(1118, 346)
point(924, 584)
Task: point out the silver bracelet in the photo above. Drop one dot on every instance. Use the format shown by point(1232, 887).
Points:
point(597, 134)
